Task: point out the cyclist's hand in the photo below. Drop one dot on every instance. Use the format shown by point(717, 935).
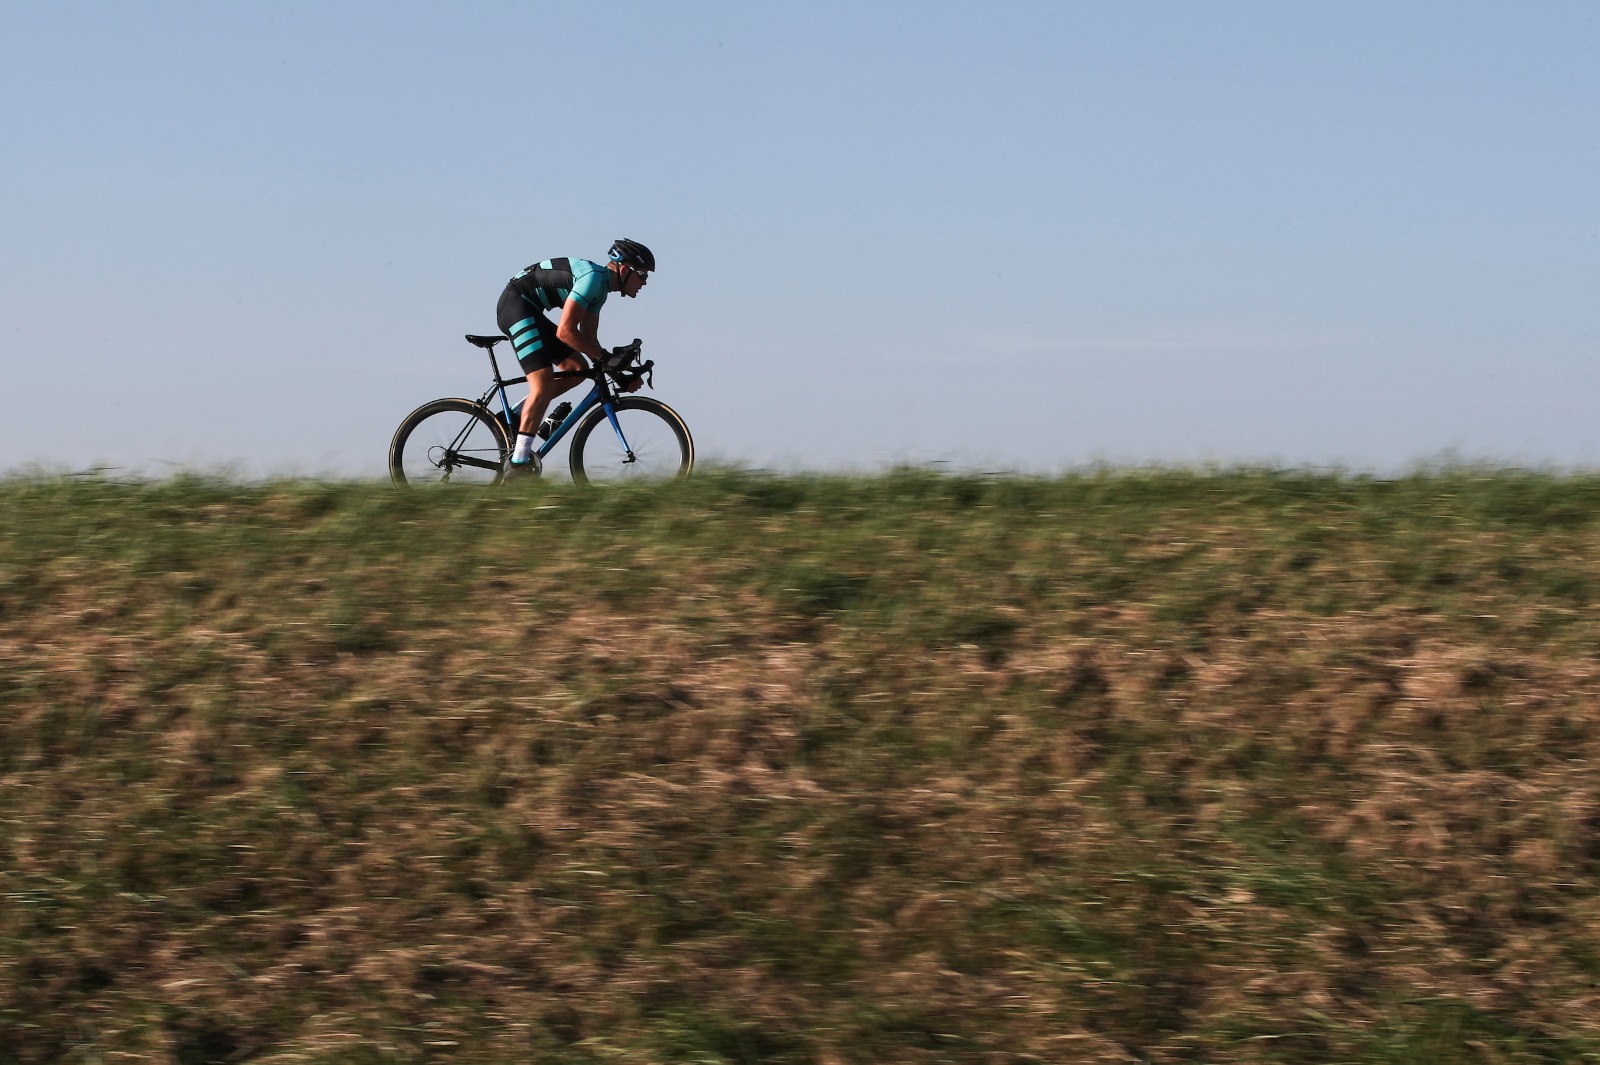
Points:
point(631, 383)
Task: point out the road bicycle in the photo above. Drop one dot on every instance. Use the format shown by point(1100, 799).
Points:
point(615, 436)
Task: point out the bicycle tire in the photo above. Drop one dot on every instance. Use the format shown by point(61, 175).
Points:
point(662, 448)
point(449, 441)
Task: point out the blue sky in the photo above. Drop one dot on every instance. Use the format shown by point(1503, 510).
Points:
point(1027, 237)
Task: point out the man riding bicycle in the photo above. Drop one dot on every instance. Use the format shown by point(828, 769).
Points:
point(578, 289)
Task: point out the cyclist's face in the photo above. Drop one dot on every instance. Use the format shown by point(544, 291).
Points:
point(633, 280)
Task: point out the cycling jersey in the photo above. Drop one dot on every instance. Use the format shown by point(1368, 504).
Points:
point(549, 284)
point(543, 287)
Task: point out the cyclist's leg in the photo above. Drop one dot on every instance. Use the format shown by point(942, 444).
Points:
point(533, 338)
point(543, 386)
point(532, 334)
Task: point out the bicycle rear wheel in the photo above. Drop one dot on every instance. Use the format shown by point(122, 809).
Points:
point(449, 441)
point(659, 447)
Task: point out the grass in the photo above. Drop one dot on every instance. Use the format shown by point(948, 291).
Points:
point(1141, 766)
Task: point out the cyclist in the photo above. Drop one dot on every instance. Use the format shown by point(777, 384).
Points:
point(578, 289)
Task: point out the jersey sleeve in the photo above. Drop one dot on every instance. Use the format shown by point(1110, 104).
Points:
point(590, 289)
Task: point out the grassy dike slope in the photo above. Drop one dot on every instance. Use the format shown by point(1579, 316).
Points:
point(1156, 767)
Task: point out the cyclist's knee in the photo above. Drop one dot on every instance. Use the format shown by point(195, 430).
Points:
point(539, 382)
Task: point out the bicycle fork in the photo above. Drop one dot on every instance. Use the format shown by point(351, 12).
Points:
point(611, 414)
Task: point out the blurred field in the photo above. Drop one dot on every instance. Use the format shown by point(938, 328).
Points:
point(1123, 767)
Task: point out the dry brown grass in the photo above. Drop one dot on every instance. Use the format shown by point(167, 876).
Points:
point(1140, 768)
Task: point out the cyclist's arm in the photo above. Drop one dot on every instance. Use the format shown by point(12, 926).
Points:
point(578, 330)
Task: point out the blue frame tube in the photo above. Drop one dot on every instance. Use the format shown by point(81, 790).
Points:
point(505, 402)
point(572, 419)
point(611, 413)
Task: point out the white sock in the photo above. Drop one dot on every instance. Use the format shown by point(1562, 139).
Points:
point(525, 442)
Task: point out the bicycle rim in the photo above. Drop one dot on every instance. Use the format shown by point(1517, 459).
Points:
point(659, 447)
point(448, 442)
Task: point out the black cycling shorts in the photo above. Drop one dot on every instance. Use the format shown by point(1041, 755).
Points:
point(533, 336)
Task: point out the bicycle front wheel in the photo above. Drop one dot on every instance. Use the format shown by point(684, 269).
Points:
point(449, 441)
point(654, 445)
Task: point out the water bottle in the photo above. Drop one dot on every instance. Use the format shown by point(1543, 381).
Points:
point(557, 416)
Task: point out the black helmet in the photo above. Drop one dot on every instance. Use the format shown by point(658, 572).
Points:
point(632, 253)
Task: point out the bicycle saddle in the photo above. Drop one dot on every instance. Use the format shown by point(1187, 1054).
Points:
point(487, 343)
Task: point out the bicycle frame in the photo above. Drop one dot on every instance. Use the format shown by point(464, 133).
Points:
point(601, 394)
